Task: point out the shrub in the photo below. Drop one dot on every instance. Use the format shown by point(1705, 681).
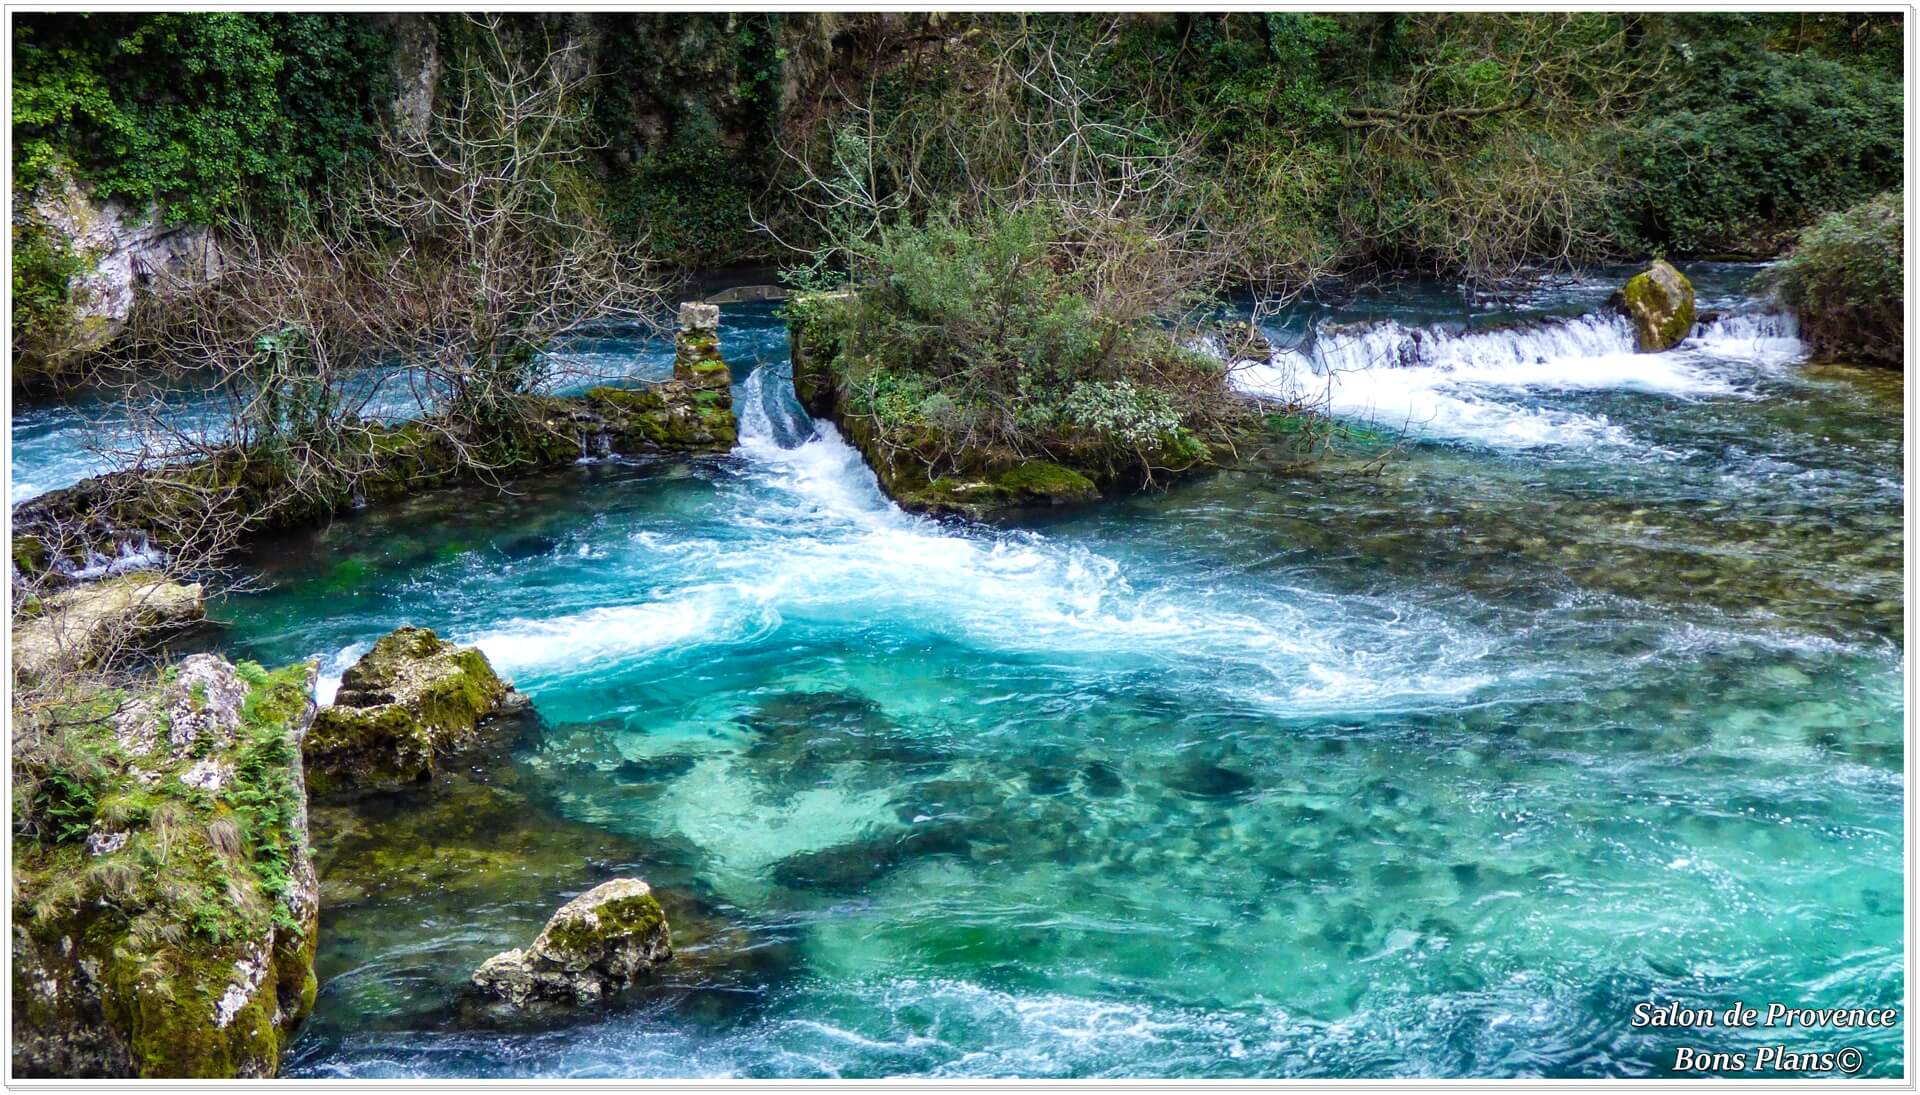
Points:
point(1012, 334)
point(1754, 143)
point(1846, 281)
point(194, 111)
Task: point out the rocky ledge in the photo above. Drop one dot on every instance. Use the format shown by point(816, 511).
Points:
point(993, 485)
point(75, 627)
point(56, 533)
point(164, 901)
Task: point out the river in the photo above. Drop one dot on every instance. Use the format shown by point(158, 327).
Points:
point(1566, 679)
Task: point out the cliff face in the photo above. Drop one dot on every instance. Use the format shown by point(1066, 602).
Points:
point(166, 911)
point(122, 253)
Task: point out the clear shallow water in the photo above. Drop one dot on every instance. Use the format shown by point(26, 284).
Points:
point(1426, 762)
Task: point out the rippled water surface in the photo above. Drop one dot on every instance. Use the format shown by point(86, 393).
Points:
point(1567, 679)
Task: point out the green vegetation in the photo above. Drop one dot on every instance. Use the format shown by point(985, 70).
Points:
point(1000, 359)
point(1846, 281)
point(1750, 145)
point(1301, 146)
point(159, 842)
point(197, 112)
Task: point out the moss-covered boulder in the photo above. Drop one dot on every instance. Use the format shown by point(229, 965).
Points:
point(165, 908)
point(77, 626)
point(1659, 301)
point(989, 484)
point(413, 699)
point(598, 944)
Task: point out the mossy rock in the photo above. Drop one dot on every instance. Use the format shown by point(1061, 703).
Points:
point(411, 700)
point(595, 946)
point(1659, 301)
point(174, 935)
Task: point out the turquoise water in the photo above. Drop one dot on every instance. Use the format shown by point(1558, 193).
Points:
point(1573, 683)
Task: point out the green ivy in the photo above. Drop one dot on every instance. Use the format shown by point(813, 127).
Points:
point(197, 112)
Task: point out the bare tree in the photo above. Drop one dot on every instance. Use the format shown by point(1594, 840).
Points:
point(441, 288)
point(487, 228)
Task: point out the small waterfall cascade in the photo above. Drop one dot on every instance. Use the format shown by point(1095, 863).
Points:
point(768, 411)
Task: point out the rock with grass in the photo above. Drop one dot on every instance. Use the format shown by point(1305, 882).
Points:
point(597, 945)
point(165, 907)
point(411, 701)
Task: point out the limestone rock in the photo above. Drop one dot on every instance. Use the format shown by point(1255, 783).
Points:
point(412, 699)
point(80, 625)
point(129, 252)
point(597, 944)
point(1659, 301)
point(696, 316)
point(122, 967)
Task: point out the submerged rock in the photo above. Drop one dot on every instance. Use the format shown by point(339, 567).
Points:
point(78, 626)
point(412, 699)
point(1659, 301)
point(597, 944)
point(173, 934)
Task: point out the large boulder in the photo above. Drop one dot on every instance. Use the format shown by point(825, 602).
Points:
point(125, 252)
point(79, 626)
point(1659, 301)
point(413, 699)
point(165, 908)
point(599, 943)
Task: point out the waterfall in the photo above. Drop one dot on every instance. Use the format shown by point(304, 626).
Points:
point(1365, 346)
point(1766, 337)
point(1487, 386)
point(127, 556)
point(769, 414)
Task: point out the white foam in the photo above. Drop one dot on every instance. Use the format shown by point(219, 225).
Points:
point(705, 614)
point(332, 667)
point(1474, 386)
point(127, 556)
point(1767, 338)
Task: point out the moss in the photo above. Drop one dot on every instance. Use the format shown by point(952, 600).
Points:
point(1040, 479)
point(639, 914)
point(411, 699)
point(30, 554)
point(1659, 299)
point(141, 944)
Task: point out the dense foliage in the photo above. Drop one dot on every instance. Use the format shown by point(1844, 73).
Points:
point(195, 112)
point(1846, 280)
point(1468, 144)
point(192, 115)
point(1000, 334)
point(1296, 147)
point(1754, 144)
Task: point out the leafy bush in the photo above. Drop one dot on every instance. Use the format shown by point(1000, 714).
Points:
point(1753, 144)
point(1008, 335)
point(1846, 281)
point(43, 269)
point(194, 111)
